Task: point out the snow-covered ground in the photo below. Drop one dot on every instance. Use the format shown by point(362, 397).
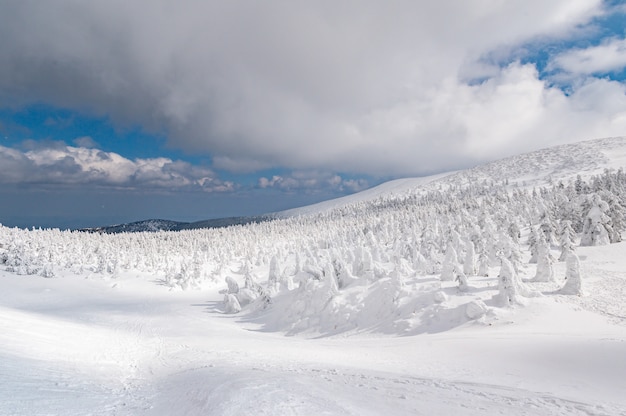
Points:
point(363, 306)
point(130, 346)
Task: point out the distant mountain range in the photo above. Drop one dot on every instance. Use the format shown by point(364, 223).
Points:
point(154, 225)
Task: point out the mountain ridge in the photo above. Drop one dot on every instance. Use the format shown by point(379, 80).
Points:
point(537, 168)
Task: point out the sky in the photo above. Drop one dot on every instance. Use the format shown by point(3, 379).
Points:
point(114, 111)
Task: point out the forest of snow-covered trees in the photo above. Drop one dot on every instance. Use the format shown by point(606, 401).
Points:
point(380, 260)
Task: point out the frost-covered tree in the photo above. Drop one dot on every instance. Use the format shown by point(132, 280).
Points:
point(566, 239)
point(274, 275)
point(507, 285)
point(532, 245)
point(511, 290)
point(231, 304)
point(514, 232)
point(509, 249)
point(616, 213)
point(573, 281)
point(449, 267)
point(597, 224)
point(463, 285)
point(233, 286)
point(483, 263)
point(547, 228)
point(545, 270)
point(469, 265)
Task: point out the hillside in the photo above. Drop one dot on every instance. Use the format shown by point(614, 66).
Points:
point(539, 168)
point(154, 225)
point(495, 290)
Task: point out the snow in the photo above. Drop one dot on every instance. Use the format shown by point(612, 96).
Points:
point(395, 187)
point(541, 167)
point(127, 346)
point(343, 313)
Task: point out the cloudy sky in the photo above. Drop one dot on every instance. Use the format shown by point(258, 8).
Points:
point(115, 110)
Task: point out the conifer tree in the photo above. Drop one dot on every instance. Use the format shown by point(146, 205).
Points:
point(596, 227)
point(566, 239)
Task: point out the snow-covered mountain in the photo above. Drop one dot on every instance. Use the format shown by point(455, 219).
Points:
point(539, 168)
point(494, 290)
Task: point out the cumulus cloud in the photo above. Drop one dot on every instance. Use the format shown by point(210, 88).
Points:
point(366, 87)
point(49, 165)
point(608, 57)
point(310, 181)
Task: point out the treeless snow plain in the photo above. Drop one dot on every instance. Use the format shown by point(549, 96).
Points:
point(113, 332)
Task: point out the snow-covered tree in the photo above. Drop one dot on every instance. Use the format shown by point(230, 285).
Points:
point(469, 265)
point(233, 286)
point(566, 239)
point(545, 270)
point(462, 281)
point(449, 267)
point(597, 224)
point(573, 281)
point(511, 290)
point(231, 304)
point(483, 263)
point(507, 285)
point(532, 245)
point(274, 275)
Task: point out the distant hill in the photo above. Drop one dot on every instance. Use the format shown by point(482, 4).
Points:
point(155, 225)
point(538, 168)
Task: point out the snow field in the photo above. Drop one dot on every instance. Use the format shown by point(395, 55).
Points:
point(176, 352)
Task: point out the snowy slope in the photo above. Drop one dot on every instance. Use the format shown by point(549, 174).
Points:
point(396, 187)
point(560, 163)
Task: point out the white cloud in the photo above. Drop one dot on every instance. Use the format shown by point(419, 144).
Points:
point(361, 87)
point(66, 165)
point(239, 165)
point(85, 141)
point(313, 181)
point(608, 57)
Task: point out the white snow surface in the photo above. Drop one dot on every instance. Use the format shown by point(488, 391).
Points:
point(127, 346)
point(122, 338)
point(536, 168)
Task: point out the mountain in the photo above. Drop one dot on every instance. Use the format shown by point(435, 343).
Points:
point(539, 168)
point(155, 225)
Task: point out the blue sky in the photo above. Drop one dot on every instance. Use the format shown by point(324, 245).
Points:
point(113, 112)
